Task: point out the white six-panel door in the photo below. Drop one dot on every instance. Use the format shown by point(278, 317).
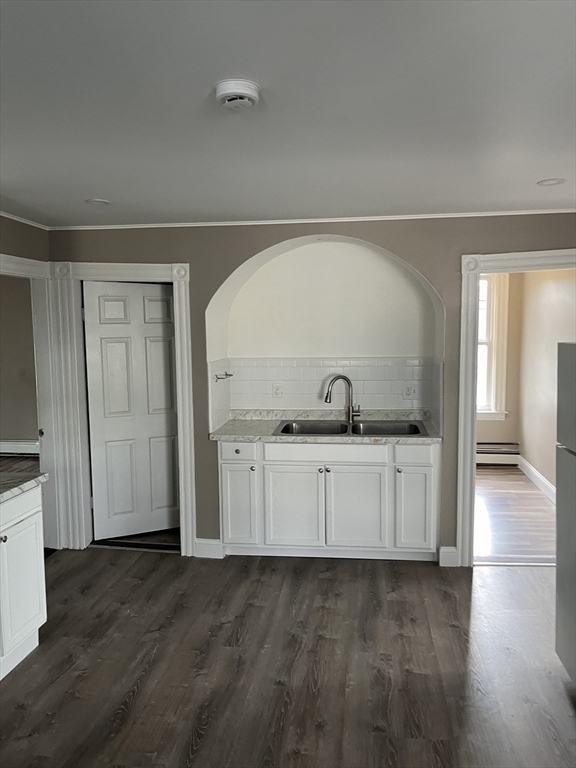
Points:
point(132, 410)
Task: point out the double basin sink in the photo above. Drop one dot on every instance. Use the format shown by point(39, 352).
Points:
point(359, 428)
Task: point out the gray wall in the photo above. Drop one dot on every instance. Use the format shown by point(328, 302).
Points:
point(18, 415)
point(433, 246)
point(19, 239)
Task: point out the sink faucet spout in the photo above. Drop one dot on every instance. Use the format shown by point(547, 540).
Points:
point(351, 410)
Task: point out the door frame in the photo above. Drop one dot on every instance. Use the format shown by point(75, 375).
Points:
point(61, 383)
point(472, 267)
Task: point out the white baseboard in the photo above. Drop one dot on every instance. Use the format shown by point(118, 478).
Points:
point(357, 553)
point(538, 479)
point(209, 548)
point(449, 557)
point(497, 458)
point(19, 446)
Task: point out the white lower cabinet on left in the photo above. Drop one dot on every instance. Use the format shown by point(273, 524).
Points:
point(240, 494)
point(22, 583)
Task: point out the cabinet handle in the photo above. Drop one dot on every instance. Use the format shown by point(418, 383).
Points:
point(328, 469)
point(399, 469)
point(3, 539)
point(237, 450)
point(253, 469)
point(320, 470)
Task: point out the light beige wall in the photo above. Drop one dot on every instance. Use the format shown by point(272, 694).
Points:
point(548, 317)
point(508, 431)
point(432, 246)
point(19, 239)
point(18, 418)
point(331, 299)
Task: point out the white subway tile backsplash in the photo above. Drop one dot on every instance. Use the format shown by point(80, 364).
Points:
point(379, 382)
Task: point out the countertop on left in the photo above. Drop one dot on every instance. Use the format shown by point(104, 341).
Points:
point(19, 474)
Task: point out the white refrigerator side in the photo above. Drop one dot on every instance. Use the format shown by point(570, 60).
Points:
point(566, 419)
point(566, 509)
point(566, 559)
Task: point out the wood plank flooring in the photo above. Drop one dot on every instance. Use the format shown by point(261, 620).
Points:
point(10, 462)
point(156, 661)
point(514, 522)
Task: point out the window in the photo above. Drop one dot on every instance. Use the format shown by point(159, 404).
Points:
point(492, 346)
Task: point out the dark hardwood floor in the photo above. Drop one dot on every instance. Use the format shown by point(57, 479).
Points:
point(10, 462)
point(165, 662)
point(514, 522)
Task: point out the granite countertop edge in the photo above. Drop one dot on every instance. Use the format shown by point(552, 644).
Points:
point(19, 482)
point(261, 431)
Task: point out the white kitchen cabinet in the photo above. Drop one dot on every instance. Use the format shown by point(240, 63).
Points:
point(240, 493)
point(331, 500)
point(22, 583)
point(357, 506)
point(294, 504)
point(414, 507)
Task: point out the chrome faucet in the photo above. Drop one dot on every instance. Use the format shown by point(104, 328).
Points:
point(352, 411)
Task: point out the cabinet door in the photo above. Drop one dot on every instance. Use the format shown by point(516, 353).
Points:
point(294, 504)
point(22, 585)
point(356, 506)
point(240, 503)
point(414, 508)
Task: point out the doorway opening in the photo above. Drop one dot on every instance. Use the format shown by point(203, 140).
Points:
point(132, 414)
point(521, 319)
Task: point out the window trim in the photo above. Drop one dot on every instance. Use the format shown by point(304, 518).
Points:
point(498, 293)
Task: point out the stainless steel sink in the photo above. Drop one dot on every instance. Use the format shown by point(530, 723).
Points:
point(312, 428)
point(366, 428)
point(389, 428)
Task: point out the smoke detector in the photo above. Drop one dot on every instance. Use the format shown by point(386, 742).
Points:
point(237, 94)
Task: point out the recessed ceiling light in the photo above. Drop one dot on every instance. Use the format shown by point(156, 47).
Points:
point(550, 182)
point(97, 201)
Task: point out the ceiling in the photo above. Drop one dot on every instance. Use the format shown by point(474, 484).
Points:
point(381, 108)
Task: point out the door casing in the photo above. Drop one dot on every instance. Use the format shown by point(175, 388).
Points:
point(472, 267)
point(62, 401)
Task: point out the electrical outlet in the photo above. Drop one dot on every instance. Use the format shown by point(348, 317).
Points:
point(412, 390)
point(277, 390)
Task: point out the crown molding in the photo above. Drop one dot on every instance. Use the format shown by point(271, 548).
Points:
point(25, 221)
point(337, 220)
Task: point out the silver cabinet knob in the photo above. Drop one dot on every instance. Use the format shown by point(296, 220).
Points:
point(253, 469)
point(3, 539)
point(399, 469)
point(328, 469)
point(237, 450)
point(320, 470)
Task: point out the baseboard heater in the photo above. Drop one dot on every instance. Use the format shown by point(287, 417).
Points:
point(497, 453)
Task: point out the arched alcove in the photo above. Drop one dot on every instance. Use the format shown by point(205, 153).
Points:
point(324, 302)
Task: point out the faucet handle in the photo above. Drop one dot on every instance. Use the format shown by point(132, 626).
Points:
point(356, 411)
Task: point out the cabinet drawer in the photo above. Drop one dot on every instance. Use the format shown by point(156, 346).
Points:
point(240, 451)
point(19, 507)
point(326, 453)
point(413, 454)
